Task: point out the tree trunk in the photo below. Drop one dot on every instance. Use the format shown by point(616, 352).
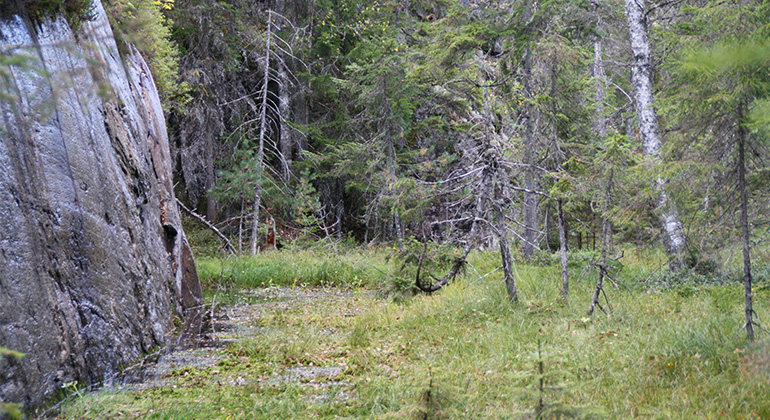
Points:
point(392, 179)
point(262, 130)
point(505, 250)
point(530, 233)
point(745, 238)
point(211, 201)
point(605, 245)
point(286, 144)
point(505, 256)
point(600, 128)
point(240, 228)
point(255, 226)
point(641, 78)
point(600, 120)
point(299, 115)
point(603, 266)
point(563, 251)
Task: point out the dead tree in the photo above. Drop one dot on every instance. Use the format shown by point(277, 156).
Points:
point(606, 228)
point(262, 130)
point(490, 198)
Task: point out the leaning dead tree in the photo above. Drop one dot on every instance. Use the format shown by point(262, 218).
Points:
point(436, 283)
point(488, 201)
point(491, 184)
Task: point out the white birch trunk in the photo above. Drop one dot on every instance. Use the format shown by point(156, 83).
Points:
point(641, 78)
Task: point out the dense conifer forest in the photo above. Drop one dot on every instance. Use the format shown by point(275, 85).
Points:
point(526, 127)
point(587, 124)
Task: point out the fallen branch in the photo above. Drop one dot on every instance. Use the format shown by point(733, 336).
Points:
point(206, 223)
point(440, 282)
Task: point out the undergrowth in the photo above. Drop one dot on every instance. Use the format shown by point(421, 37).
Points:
point(76, 11)
point(292, 268)
point(467, 352)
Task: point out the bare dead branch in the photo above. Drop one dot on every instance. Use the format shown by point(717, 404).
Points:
point(206, 223)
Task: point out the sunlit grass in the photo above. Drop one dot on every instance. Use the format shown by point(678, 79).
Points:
point(468, 352)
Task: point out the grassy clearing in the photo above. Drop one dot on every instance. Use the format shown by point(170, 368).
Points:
point(306, 267)
point(466, 352)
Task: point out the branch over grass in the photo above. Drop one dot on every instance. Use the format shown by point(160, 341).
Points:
point(230, 247)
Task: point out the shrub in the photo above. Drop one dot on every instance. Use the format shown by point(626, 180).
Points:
point(142, 23)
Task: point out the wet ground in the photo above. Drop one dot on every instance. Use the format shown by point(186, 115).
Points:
point(231, 322)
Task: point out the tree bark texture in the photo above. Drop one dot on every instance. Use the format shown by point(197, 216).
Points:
point(641, 79)
point(505, 250)
point(600, 78)
point(284, 109)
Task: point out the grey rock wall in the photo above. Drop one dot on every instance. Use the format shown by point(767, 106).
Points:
point(94, 264)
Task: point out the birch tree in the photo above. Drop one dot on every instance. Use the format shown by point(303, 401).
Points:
point(641, 79)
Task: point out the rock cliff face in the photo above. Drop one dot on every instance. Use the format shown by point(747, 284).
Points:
point(94, 265)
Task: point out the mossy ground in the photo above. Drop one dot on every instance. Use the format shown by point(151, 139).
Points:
point(347, 351)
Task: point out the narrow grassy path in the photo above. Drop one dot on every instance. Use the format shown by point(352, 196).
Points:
point(288, 344)
point(465, 352)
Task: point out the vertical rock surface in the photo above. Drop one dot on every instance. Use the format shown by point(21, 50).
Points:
point(94, 264)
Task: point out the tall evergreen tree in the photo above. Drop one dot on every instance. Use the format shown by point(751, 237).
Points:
point(721, 78)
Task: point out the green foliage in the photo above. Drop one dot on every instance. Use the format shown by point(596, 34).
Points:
point(690, 279)
point(721, 86)
point(294, 200)
point(13, 411)
point(545, 386)
point(143, 24)
point(5, 352)
point(76, 11)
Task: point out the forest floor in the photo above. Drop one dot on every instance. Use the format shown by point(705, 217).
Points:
point(344, 348)
point(241, 319)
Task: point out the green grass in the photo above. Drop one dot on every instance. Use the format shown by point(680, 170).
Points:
point(294, 268)
point(467, 352)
